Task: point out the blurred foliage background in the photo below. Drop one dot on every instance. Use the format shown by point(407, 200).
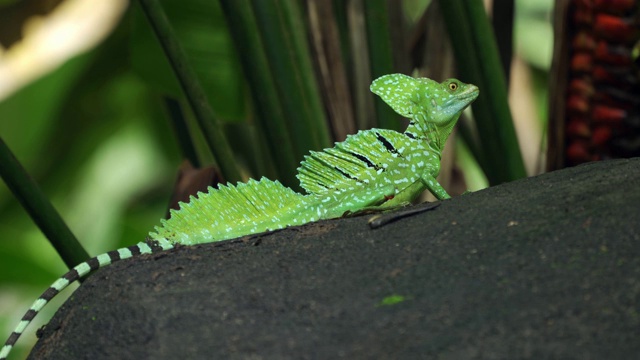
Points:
point(99, 132)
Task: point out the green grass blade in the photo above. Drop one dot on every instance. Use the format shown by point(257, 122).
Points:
point(205, 38)
point(285, 44)
point(269, 115)
point(328, 61)
point(196, 97)
point(39, 208)
point(356, 52)
point(306, 73)
point(502, 22)
point(465, 131)
point(478, 63)
point(381, 56)
point(181, 131)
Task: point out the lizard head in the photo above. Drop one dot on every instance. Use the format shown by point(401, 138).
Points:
point(432, 107)
point(448, 100)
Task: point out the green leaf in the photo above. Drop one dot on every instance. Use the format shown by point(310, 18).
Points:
point(200, 27)
point(270, 118)
point(209, 124)
point(392, 300)
point(27, 191)
point(478, 63)
point(285, 43)
point(381, 56)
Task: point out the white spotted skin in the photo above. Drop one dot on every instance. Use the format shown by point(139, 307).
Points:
point(233, 211)
point(432, 107)
point(407, 162)
point(401, 170)
point(374, 170)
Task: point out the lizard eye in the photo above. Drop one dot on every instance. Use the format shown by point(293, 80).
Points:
point(453, 86)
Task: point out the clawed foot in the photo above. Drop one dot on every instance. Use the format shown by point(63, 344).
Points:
point(381, 220)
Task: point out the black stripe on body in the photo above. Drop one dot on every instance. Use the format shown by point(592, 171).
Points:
point(386, 144)
point(409, 134)
point(347, 175)
point(365, 160)
point(323, 185)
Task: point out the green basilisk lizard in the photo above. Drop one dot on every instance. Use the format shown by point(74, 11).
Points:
point(372, 170)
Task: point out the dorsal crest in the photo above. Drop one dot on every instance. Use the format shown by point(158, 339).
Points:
point(360, 160)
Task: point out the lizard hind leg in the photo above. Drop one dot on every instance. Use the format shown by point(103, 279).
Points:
point(350, 203)
point(382, 208)
point(381, 220)
point(430, 183)
point(394, 201)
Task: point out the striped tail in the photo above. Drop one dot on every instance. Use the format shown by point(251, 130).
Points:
point(76, 273)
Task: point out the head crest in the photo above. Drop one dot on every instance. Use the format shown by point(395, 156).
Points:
point(396, 90)
point(433, 107)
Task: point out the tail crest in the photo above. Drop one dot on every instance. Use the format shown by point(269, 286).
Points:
point(231, 211)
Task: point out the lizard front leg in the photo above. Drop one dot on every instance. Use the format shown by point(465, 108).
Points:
point(430, 183)
point(434, 186)
point(357, 201)
point(393, 200)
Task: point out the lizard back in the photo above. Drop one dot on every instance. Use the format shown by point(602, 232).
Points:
point(376, 157)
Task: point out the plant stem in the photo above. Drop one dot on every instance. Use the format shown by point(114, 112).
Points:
point(478, 62)
point(25, 189)
point(192, 89)
point(285, 44)
point(270, 118)
point(181, 130)
point(381, 56)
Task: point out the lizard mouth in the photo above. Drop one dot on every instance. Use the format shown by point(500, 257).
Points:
point(461, 100)
point(470, 93)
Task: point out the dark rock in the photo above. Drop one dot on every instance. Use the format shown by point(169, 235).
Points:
point(545, 267)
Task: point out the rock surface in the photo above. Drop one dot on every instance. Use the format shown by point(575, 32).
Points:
point(545, 267)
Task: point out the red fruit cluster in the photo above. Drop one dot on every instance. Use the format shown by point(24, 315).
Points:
point(603, 94)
